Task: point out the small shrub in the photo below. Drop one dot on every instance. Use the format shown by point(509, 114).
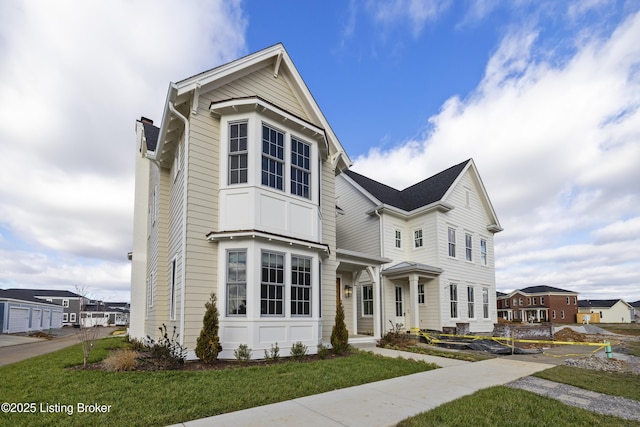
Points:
point(137, 345)
point(208, 343)
point(323, 351)
point(298, 351)
point(273, 354)
point(167, 352)
point(121, 360)
point(339, 333)
point(242, 353)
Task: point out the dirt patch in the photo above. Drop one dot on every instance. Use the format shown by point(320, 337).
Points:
point(569, 335)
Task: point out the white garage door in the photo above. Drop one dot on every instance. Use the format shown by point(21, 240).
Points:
point(46, 319)
point(56, 319)
point(36, 319)
point(18, 320)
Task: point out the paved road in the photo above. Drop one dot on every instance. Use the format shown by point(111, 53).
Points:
point(16, 348)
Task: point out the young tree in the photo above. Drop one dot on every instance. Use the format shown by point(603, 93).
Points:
point(339, 333)
point(87, 333)
point(208, 343)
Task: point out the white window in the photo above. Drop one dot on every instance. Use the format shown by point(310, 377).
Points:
point(468, 245)
point(367, 300)
point(172, 290)
point(272, 284)
point(568, 301)
point(515, 302)
point(562, 314)
point(238, 154)
point(65, 303)
point(521, 301)
point(452, 242)
point(399, 303)
point(483, 251)
point(237, 283)
point(575, 300)
point(417, 238)
point(453, 300)
point(470, 302)
point(553, 314)
point(398, 239)
point(421, 293)
point(541, 300)
point(72, 317)
point(65, 317)
point(535, 301)
point(272, 157)
point(485, 302)
point(300, 168)
point(300, 286)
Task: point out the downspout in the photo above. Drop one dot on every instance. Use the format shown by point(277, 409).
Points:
point(185, 179)
point(380, 278)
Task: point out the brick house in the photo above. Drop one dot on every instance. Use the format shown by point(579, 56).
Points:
point(538, 304)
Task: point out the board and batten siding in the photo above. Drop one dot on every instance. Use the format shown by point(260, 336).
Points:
point(473, 219)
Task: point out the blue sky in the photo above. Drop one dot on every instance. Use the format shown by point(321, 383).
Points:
point(543, 95)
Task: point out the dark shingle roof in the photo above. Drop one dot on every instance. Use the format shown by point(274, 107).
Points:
point(18, 294)
point(545, 289)
point(598, 303)
point(421, 194)
point(635, 304)
point(47, 293)
point(151, 134)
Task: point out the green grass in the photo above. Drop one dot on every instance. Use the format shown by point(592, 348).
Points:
point(162, 398)
point(621, 328)
point(503, 406)
point(612, 383)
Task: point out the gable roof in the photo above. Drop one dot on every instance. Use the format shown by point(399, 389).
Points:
point(416, 196)
point(599, 303)
point(184, 96)
point(635, 304)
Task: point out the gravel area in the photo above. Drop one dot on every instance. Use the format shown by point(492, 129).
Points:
point(620, 363)
point(596, 402)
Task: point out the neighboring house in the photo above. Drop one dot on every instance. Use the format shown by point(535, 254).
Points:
point(610, 310)
point(101, 313)
point(21, 312)
point(538, 304)
point(71, 302)
point(235, 194)
point(435, 242)
point(244, 191)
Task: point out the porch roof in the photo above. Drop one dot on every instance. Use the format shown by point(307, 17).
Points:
point(406, 268)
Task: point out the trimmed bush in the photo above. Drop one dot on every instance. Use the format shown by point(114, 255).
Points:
point(208, 343)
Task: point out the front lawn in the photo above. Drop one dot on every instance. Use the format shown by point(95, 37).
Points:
point(506, 407)
point(168, 397)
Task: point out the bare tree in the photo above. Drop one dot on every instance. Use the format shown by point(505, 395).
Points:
point(88, 333)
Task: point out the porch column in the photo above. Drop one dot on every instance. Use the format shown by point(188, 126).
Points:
point(413, 297)
point(377, 314)
point(354, 301)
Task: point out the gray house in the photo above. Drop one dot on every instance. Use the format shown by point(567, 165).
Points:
point(71, 303)
point(21, 312)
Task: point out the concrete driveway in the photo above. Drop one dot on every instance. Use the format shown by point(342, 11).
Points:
point(15, 348)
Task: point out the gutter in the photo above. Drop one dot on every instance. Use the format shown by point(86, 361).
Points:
point(185, 178)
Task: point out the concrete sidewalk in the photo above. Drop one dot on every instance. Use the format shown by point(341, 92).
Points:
point(383, 403)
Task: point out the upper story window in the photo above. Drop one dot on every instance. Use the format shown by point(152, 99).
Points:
point(272, 157)
point(398, 239)
point(541, 300)
point(483, 251)
point(417, 238)
point(65, 303)
point(238, 154)
point(452, 242)
point(300, 168)
point(468, 246)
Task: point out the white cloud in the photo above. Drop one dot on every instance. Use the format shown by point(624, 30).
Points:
point(74, 77)
point(556, 141)
point(415, 13)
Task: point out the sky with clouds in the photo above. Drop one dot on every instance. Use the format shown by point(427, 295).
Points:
point(543, 95)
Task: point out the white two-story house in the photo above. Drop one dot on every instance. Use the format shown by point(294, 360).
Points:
point(244, 190)
point(235, 195)
point(436, 241)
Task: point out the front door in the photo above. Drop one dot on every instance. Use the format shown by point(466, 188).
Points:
point(399, 319)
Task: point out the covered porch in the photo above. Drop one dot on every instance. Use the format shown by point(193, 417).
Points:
point(358, 288)
point(412, 295)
